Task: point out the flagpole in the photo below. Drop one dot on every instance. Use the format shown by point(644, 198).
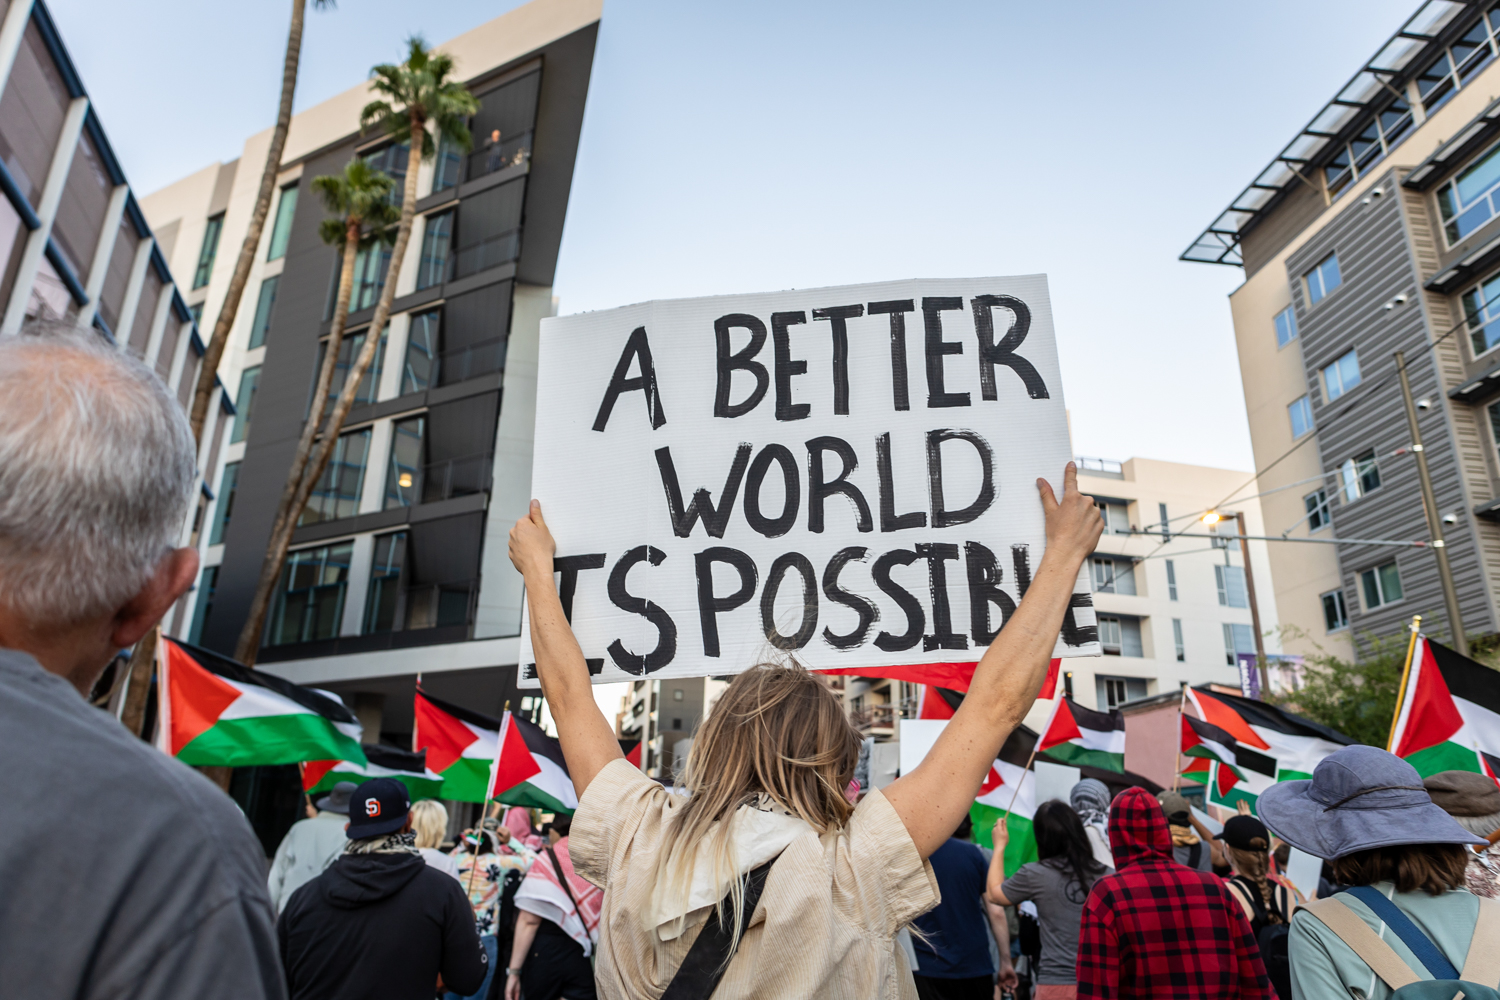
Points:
point(1005, 815)
point(1056, 701)
point(1411, 648)
point(1177, 765)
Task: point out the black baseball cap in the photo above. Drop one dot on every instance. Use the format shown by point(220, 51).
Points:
point(1239, 831)
point(378, 807)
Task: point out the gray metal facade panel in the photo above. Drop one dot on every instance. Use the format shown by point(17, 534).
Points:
point(281, 400)
point(566, 66)
point(1376, 263)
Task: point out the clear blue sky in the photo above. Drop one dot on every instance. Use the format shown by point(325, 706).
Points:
point(755, 146)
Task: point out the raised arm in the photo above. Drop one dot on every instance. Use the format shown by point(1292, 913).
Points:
point(933, 798)
point(587, 740)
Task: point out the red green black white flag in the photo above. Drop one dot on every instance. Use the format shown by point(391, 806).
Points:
point(214, 711)
point(1083, 737)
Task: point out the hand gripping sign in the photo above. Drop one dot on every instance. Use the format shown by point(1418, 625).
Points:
point(844, 474)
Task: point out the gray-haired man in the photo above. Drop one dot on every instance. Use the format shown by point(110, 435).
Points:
point(124, 872)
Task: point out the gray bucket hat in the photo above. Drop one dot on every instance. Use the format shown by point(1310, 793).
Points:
point(337, 799)
point(1358, 798)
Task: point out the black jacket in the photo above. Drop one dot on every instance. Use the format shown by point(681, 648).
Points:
point(379, 927)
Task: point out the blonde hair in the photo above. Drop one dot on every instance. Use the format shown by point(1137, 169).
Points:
point(776, 730)
point(429, 821)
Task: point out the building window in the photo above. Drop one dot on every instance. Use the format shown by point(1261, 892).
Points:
point(1368, 148)
point(208, 251)
point(1286, 327)
point(338, 490)
point(1300, 412)
point(1341, 376)
point(1237, 639)
point(393, 160)
point(437, 240)
point(244, 404)
point(227, 484)
point(1494, 412)
point(196, 312)
point(1335, 616)
point(1359, 475)
point(281, 229)
point(349, 349)
point(205, 604)
point(1171, 581)
point(1177, 640)
point(1381, 585)
point(1467, 202)
point(1112, 692)
point(310, 602)
point(1113, 576)
point(677, 695)
point(1231, 583)
point(1323, 279)
point(382, 605)
point(419, 372)
point(1120, 635)
point(450, 164)
point(1454, 68)
point(262, 322)
point(1166, 526)
point(1482, 312)
point(403, 477)
point(1318, 515)
point(370, 268)
point(1116, 514)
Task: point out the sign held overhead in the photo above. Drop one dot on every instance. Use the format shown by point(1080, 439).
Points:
point(843, 474)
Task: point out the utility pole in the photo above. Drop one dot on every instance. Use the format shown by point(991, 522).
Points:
point(1430, 508)
point(1260, 642)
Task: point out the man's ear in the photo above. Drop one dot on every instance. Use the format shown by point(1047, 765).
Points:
point(169, 581)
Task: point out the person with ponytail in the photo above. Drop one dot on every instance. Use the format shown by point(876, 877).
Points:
point(765, 881)
point(1267, 901)
point(1058, 884)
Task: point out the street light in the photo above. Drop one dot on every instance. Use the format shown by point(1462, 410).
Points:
point(1212, 517)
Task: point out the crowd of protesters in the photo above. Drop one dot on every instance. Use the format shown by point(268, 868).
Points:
point(760, 878)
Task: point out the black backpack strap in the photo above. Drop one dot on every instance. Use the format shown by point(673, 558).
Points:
point(1195, 854)
point(708, 959)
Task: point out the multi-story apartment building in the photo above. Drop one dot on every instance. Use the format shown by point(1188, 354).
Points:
point(398, 566)
point(1376, 230)
point(663, 716)
point(1173, 600)
point(76, 246)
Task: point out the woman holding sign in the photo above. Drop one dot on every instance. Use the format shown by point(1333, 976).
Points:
point(810, 890)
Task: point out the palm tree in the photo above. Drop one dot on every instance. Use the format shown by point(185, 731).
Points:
point(414, 94)
point(214, 350)
point(139, 670)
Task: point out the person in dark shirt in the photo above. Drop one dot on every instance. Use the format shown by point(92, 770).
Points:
point(953, 953)
point(380, 922)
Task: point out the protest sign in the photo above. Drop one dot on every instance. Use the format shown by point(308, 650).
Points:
point(846, 475)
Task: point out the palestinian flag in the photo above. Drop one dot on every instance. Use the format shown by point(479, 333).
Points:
point(1204, 739)
point(1008, 774)
point(410, 769)
point(954, 677)
point(1269, 745)
point(1450, 714)
point(1083, 737)
point(461, 746)
point(632, 751)
point(1198, 770)
point(216, 712)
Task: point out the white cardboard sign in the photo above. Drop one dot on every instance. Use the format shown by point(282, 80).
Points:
point(846, 475)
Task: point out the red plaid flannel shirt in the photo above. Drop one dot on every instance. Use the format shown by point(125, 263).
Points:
point(1157, 929)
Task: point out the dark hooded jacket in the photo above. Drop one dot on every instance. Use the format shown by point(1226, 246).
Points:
point(1158, 929)
point(379, 926)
